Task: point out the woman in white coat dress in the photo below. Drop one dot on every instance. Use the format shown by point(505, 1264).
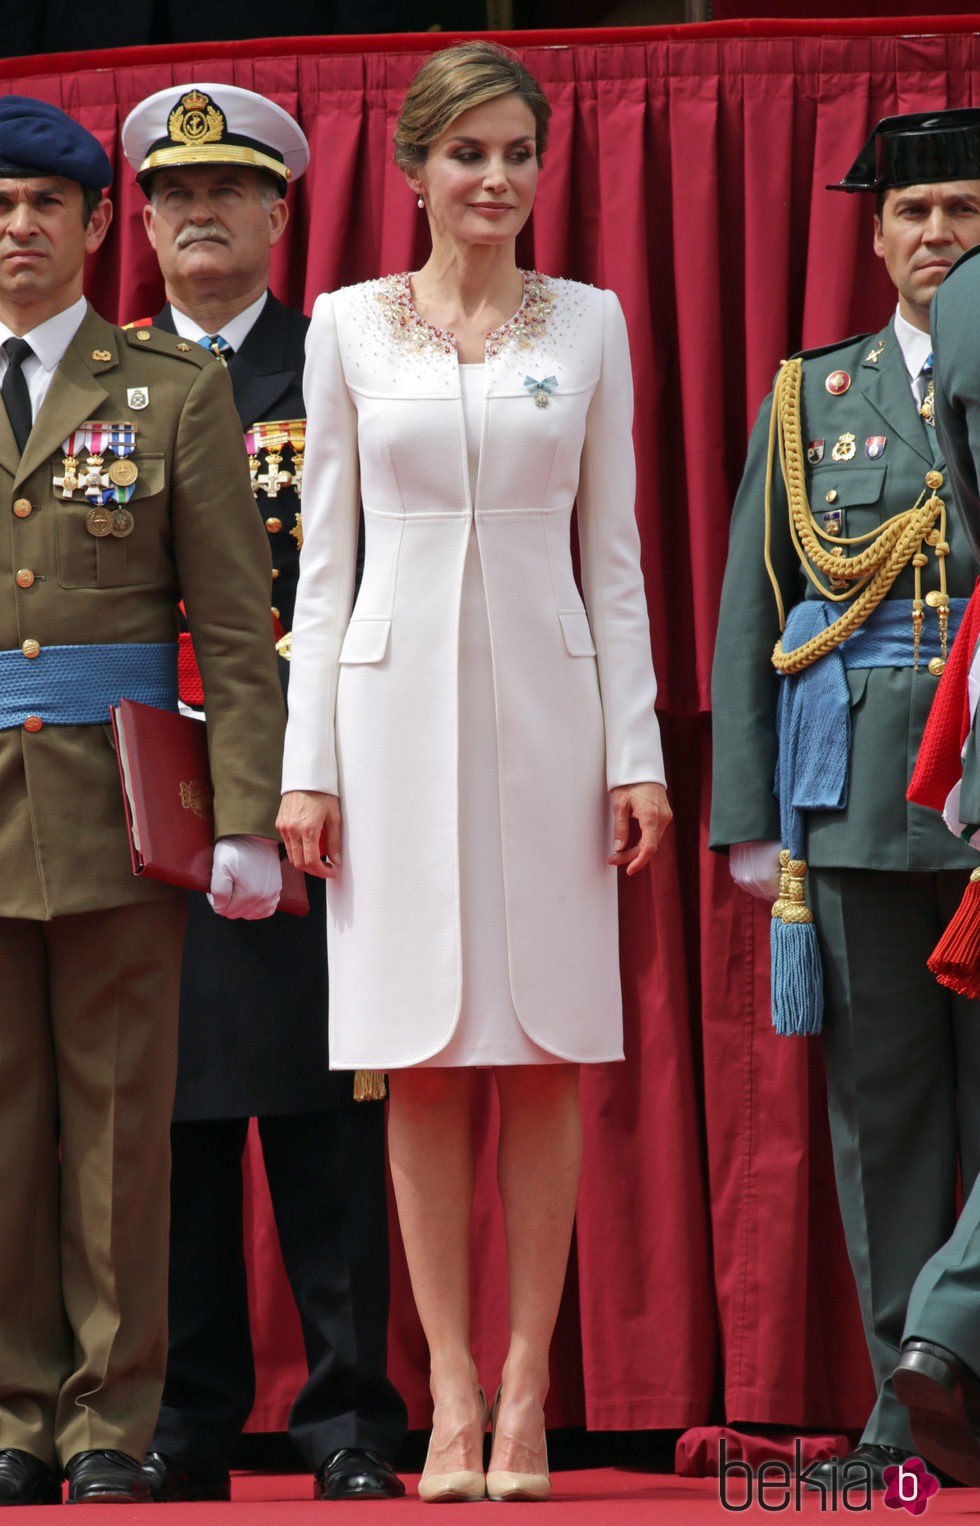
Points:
point(488, 740)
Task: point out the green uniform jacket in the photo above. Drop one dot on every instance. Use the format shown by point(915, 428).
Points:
point(63, 845)
point(878, 829)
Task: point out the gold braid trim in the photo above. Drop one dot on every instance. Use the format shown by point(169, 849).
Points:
point(869, 573)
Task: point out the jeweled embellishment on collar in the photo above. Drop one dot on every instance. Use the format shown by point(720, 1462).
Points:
point(527, 326)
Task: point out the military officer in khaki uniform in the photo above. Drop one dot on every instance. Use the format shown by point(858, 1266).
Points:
point(126, 490)
point(858, 528)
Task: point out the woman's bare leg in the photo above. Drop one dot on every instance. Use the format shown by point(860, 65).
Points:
point(538, 1166)
point(431, 1151)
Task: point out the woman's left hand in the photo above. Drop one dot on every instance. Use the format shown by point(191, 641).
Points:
point(647, 805)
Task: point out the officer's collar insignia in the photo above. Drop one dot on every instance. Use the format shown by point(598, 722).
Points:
point(871, 359)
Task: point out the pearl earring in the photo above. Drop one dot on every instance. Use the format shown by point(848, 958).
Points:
point(421, 204)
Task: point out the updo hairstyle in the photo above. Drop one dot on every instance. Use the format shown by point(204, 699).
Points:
point(451, 82)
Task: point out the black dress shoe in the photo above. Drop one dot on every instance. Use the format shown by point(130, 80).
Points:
point(106, 1478)
point(942, 1397)
point(26, 1480)
point(356, 1474)
point(866, 1462)
point(171, 1482)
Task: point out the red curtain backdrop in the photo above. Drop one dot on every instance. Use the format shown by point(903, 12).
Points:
point(687, 172)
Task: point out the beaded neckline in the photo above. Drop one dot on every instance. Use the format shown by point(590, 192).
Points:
point(411, 329)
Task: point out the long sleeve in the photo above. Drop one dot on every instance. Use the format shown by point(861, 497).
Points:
point(328, 560)
point(611, 575)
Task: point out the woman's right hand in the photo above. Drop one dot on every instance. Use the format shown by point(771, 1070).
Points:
point(309, 825)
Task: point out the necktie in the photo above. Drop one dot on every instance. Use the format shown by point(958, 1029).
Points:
point(13, 391)
point(924, 386)
point(218, 345)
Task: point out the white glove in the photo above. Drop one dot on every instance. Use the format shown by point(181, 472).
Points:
point(246, 877)
point(754, 867)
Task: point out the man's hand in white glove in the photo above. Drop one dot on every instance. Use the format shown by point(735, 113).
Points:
point(246, 877)
point(755, 867)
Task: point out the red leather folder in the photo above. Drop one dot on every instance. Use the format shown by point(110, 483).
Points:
point(166, 784)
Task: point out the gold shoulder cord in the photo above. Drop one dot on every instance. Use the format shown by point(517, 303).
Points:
point(870, 572)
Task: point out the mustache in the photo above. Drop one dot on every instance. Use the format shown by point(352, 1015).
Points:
point(193, 235)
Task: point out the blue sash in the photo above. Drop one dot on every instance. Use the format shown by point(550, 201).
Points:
point(813, 718)
point(76, 685)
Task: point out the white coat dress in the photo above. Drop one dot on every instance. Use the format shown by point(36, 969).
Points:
point(374, 692)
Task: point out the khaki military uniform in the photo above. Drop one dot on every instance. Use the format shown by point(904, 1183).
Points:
point(90, 955)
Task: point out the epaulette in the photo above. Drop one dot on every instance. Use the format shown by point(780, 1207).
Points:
point(828, 349)
point(144, 337)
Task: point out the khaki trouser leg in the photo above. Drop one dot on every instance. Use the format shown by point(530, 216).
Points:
point(111, 1024)
point(35, 1343)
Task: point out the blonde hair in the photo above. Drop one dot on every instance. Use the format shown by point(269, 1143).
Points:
point(454, 80)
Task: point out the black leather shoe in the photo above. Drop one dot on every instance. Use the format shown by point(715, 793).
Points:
point(26, 1480)
point(866, 1462)
point(942, 1397)
point(170, 1482)
point(356, 1474)
point(106, 1478)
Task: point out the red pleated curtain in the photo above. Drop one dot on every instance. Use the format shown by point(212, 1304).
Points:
point(686, 171)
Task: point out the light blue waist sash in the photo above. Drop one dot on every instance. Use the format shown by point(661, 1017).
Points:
point(76, 685)
point(813, 718)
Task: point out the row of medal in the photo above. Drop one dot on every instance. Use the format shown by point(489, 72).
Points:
point(845, 448)
point(102, 485)
point(271, 438)
point(114, 484)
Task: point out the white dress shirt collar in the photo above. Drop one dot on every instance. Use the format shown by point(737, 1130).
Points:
point(915, 345)
point(235, 331)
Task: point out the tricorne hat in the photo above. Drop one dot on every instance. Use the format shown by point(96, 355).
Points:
point(37, 138)
point(918, 148)
point(213, 124)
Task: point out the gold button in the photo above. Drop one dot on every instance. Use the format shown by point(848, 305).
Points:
point(273, 526)
point(937, 600)
point(31, 648)
point(934, 480)
point(25, 578)
point(936, 666)
point(143, 335)
point(22, 507)
point(832, 495)
point(275, 572)
point(33, 723)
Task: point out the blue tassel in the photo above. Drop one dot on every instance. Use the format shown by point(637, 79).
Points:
point(797, 978)
point(797, 973)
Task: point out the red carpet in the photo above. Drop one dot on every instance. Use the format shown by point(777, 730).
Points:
point(590, 1497)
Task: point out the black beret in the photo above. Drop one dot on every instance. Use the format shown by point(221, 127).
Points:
point(919, 148)
point(37, 138)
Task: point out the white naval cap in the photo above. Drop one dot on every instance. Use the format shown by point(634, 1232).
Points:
point(213, 124)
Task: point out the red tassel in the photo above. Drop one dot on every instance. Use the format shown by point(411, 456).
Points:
point(955, 961)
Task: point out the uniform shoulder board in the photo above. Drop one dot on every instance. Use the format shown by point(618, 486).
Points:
point(830, 349)
point(143, 336)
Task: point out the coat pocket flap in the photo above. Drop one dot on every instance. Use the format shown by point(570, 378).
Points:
point(577, 633)
point(365, 641)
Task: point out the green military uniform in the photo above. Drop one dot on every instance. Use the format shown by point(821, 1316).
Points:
point(884, 874)
point(89, 954)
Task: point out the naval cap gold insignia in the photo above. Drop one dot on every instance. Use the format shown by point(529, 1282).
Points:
point(195, 120)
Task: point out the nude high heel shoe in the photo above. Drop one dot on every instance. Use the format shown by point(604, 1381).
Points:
point(453, 1488)
point(505, 1485)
